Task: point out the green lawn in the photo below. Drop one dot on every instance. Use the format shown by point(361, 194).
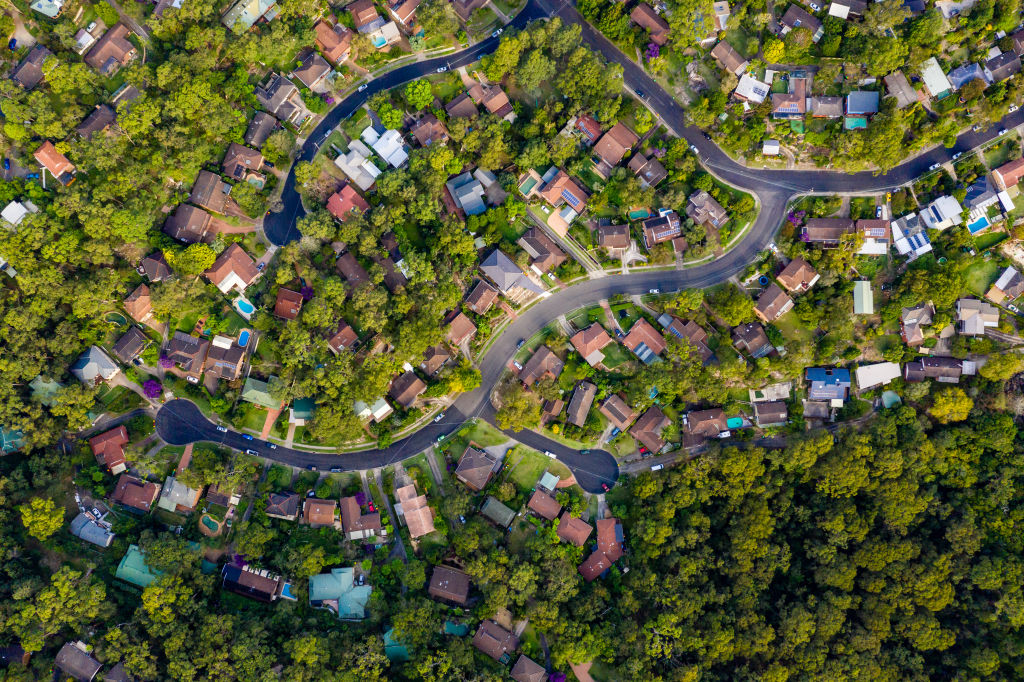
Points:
point(255, 418)
point(482, 433)
point(355, 124)
point(625, 320)
point(987, 240)
point(419, 462)
point(980, 275)
point(529, 466)
point(615, 355)
point(998, 154)
point(583, 317)
point(793, 330)
point(305, 482)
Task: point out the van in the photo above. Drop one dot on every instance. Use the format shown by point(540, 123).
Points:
point(657, 467)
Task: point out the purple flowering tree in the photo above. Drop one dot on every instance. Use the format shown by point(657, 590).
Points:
point(653, 51)
point(152, 388)
point(307, 293)
point(165, 362)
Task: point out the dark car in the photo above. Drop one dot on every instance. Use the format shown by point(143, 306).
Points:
point(519, 343)
point(584, 452)
point(639, 93)
point(12, 44)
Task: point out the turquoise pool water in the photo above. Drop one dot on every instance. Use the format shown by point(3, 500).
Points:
point(243, 338)
point(244, 307)
point(380, 41)
point(978, 225)
point(734, 422)
point(210, 523)
point(641, 213)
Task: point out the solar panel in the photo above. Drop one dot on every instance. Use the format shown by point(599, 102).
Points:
point(570, 197)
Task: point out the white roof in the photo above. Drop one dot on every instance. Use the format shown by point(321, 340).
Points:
point(391, 148)
point(934, 79)
point(357, 165)
point(874, 247)
point(837, 10)
point(863, 298)
point(14, 212)
point(771, 148)
point(1006, 201)
point(1005, 278)
point(879, 374)
point(752, 89)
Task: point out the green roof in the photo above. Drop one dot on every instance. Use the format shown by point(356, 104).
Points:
point(337, 591)
point(258, 392)
point(11, 440)
point(303, 408)
point(133, 568)
point(44, 391)
point(863, 298)
point(497, 512)
point(393, 649)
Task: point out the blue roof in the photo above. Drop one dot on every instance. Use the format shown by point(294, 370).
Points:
point(964, 74)
point(862, 102)
point(828, 376)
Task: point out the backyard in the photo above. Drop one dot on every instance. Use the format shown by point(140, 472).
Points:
point(980, 275)
point(524, 467)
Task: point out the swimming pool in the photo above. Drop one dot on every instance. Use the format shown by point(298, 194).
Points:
point(734, 422)
point(978, 225)
point(636, 214)
point(210, 523)
point(243, 338)
point(244, 307)
point(379, 42)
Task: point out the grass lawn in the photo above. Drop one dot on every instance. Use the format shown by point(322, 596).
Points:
point(514, 230)
point(997, 155)
point(217, 511)
point(482, 433)
point(980, 276)
point(187, 322)
point(355, 123)
point(420, 462)
point(583, 317)
point(255, 418)
point(529, 465)
point(625, 314)
point(305, 482)
point(615, 356)
point(987, 240)
point(793, 330)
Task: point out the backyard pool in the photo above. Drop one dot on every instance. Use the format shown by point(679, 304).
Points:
point(638, 213)
point(978, 225)
point(379, 42)
point(734, 422)
point(243, 338)
point(244, 307)
point(210, 523)
point(116, 318)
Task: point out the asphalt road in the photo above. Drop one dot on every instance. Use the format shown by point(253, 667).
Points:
point(180, 422)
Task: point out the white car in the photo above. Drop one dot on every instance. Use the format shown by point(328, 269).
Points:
point(518, 365)
point(815, 7)
point(222, 429)
point(1013, 108)
point(497, 33)
point(442, 69)
point(439, 417)
point(657, 467)
point(1013, 308)
point(957, 155)
point(654, 291)
point(549, 454)
point(1003, 132)
point(934, 166)
point(693, 148)
point(363, 87)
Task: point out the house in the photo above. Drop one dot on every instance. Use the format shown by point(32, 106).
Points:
point(94, 366)
point(722, 13)
point(460, 329)
point(942, 369)
point(899, 87)
point(288, 304)
point(579, 405)
point(282, 99)
point(108, 448)
point(318, 513)
point(16, 211)
point(406, 388)
point(825, 107)
point(244, 14)
point(612, 148)
point(973, 317)
point(346, 201)
point(415, 511)
point(133, 570)
point(187, 351)
point(48, 8)
point(772, 304)
point(468, 193)
point(964, 74)
point(224, 359)
point(343, 337)
point(210, 192)
point(434, 358)
point(650, 171)
point(943, 212)
point(661, 228)
point(876, 237)
point(551, 410)
point(449, 585)
point(752, 339)
point(690, 332)
point(233, 269)
point(429, 130)
point(356, 524)
point(1008, 287)
point(619, 414)
point(528, 670)
point(913, 320)
point(56, 163)
point(74, 662)
point(510, 280)
point(827, 384)
point(589, 342)
point(910, 237)
point(337, 591)
point(792, 104)
point(358, 165)
point(476, 468)
point(648, 428)
point(260, 128)
point(258, 584)
point(112, 51)
point(772, 413)
point(728, 58)
point(188, 224)
point(797, 17)
point(404, 12)
point(283, 506)
point(138, 304)
point(461, 107)
point(749, 89)
point(610, 540)
point(798, 275)
point(1018, 42)
point(863, 298)
point(497, 513)
point(573, 530)
point(98, 120)
point(862, 103)
point(481, 297)
point(465, 8)
point(495, 641)
point(333, 40)
point(84, 528)
point(494, 100)
point(544, 504)
point(826, 232)
point(771, 148)
point(312, 70)
point(561, 189)
point(1002, 66)
point(844, 9)
point(364, 16)
point(178, 497)
point(29, 72)
point(241, 163)
point(130, 345)
point(935, 81)
point(544, 253)
point(388, 145)
point(703, 209)
point(877, 374)
point(588, 128)
point(134, 493)
point(1008, 175)
point(645, 341)
point(644, 16)
point(541, 364)
point(613, 237)
point(378, 411)
point(155, 267)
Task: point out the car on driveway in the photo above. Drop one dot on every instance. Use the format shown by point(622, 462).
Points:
point(12, 44)
point(518, 365)
point(1013, 108)
point(878, 211)
point(1013, 308)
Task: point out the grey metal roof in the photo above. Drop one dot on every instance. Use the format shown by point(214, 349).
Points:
point(85, 528)
point(94, 363)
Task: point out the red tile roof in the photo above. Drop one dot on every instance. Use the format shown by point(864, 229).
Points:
point(344, 201)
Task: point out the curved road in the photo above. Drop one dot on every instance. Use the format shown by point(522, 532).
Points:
point(180, 422)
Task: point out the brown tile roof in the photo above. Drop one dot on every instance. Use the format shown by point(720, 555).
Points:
point(449, 584)
point(462, 107)
point(618, 412)
point(877, 229)
point(793, 102)
point(562, 183)
point(112, 51)
point(288, 304)
point(826, 230)
point(460, 329)
point(574, 530)
point(435, 358)
point(496, 101)
point(613, 236)
point(475, 468)
point(210, 192)
point(188, 224)
point(752, 338)
point(702, 208)
point(707, 423)
point(135, 493)
point(588, 126)
point(343, 337)
point(130, 345)
point(155, 267)
point(30, 72)
point(284, 505)
point(481, 297)
point(334, 41)
point(138, 304)
point(614, 144)
point(248, 582)
point(797, 276)
point(55, 162)
point(594, 565)
point(542, 363)
point(235, 260)
point(363, 12)
point(108, 447)
point(644, 332)
point(429, 130)
point(648, 428)
point(318, 512)
point(543, 251)
point(527, 670)
point(552, 408)
point(353, 520)
point(772, 303)
point(609, 538)
point(580, 404)
point(772, 412)
point(312, 69)
point(240, 160)
point(728, 58)
point(661, 228)
point(406, 388)
point(643, 15)
point(187, 350)
point(692, 333)
point(404, 11)
point(494, 640)
point(98, 120)
point(1009, 174)
point(544, 505)
point(590, 341)
point(418, 516)
point(350, 269)
point(649, 170)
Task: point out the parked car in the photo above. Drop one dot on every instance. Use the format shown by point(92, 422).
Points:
point(815, 6)
point(976, 128)
point(311, 467)
point(442, 437)
point(442, 69)
point(7, 164)
point(272, 446)
point(1003, 132)
point(878, 211)
point(550, 454)
point(1013, 308)
point(518, 365)
point(32, 176)
point(1013, 108)
point(12, 44)
point(934, 166)
point(654, 291)
point(657, 467)
point(252, 452)
point(693, 148)
point(439, 417)
point(497, 33)
point(246, 436)
point(584, 452)
point(616, 431)
point(335, 470)
point(639, 93)
point(604, 487)
point(957, 155)
point(519, 343)
point(362, 87)
point(222, 429)
point(644, 450)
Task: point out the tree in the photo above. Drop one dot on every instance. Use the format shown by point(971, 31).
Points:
point(1001, 366)
point(881, 17)
point(194, 259)
point(534, 70)
point(519, 409)
point(774, 51)
point(419, 94)
point(950, 405)
point(732, 305)
point(437, 17)
point(318, 224)
point(41, 517)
